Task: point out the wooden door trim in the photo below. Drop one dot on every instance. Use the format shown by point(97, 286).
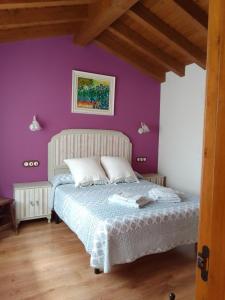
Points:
point(213, 176)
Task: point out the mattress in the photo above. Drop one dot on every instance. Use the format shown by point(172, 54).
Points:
point(114, 234)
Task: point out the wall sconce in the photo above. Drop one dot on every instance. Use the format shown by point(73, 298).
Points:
point(143, 129)
point(34, 126)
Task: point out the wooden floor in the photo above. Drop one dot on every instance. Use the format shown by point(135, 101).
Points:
point(46, 261)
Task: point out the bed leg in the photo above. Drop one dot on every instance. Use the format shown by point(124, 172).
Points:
point(57, 219)
point(97, 271)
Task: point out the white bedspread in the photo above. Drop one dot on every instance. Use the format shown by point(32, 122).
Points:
point(113, 234)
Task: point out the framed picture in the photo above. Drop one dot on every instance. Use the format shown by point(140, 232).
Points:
point(93, 93)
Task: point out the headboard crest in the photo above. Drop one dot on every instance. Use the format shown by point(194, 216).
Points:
point(75, 143)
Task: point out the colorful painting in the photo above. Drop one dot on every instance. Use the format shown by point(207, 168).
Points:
point(93, 93)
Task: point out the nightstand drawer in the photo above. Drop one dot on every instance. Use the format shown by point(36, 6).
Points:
point(32, 200)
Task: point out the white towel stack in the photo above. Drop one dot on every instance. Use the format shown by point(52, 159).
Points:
point(129, 200)
point(162, 194)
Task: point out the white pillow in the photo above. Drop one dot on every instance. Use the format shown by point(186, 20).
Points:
point(118, 169)
point(86, 171)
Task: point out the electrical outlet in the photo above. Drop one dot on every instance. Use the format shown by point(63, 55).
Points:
point(141, 159)
point(31, 163)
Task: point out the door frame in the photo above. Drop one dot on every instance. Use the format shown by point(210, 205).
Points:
point(212, 208)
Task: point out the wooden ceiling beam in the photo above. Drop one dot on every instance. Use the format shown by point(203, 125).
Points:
point(38, 16)
point(143, 16)
point(105, 13)
point(111, 43)
point(19, 4)
point(17, 34)
point(146, 47)
point(196, 13)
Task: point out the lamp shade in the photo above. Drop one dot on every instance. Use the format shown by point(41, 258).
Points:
point(35, 126)
point(143, 129)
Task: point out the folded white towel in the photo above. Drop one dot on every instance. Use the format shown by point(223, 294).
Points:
point(129, 200)
point(162, 194)
point(128, 197)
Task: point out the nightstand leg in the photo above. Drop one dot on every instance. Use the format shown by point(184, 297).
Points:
point(49, 219)
point(17, 225)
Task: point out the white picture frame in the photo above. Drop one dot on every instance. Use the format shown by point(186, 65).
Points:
point(93, 93)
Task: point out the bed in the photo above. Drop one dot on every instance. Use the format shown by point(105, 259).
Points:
point(113, 234)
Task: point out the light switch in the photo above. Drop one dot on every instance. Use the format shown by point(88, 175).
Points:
point(31, 163)
point(141, 159)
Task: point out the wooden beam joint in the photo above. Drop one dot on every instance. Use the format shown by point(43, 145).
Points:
point(106, 12)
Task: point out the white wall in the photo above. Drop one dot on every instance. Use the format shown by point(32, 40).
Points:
point(181, 129)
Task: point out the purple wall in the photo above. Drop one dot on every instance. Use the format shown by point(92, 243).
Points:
point(35, 78)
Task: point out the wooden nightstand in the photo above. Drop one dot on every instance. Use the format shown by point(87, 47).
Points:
point(155, 178)
point(32, 201)
point(7, 213)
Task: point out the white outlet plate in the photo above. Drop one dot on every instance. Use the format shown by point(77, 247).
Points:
point(31, 163)
point(141, 159)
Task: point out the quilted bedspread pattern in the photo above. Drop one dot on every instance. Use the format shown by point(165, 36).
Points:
point(114, 234)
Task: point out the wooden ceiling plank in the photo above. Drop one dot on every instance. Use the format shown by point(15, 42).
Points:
point(19, 4)
point(192, 9)
point(43, 23)
point(170, 35)
point(150, 3)
point(109, 42)
point(17, 34)
point(38, 16)
point(145, 46)
point(106, 12)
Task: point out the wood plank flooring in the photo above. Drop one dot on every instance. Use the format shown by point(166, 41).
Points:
point(47, 261)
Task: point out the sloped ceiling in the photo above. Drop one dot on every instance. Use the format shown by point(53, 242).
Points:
point(156, 36)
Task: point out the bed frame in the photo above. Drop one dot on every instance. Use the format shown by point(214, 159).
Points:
point(76, 143)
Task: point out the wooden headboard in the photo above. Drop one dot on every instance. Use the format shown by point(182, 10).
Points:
point(75, 143)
